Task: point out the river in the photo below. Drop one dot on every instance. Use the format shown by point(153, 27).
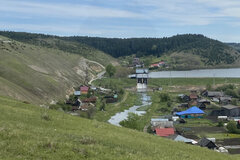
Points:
point(203, 73)
point(117, 118)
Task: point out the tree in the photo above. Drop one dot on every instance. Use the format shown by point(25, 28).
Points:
point(111, 70)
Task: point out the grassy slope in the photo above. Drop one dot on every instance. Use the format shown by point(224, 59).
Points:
point(39, 74)
point(25, 135)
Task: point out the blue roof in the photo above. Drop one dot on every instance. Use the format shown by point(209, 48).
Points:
point(192, 110)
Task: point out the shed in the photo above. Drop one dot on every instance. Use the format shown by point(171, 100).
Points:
point(77, 93)
point(204, 142)
point(193, 112)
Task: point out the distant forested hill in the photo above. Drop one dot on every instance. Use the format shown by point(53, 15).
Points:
point(234, 45)
point(213, 51)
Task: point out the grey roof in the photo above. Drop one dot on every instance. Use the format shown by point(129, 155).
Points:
point(204, 142)
point(182, 139)
point(141, 70)
point(214, 93)
point(229, 106)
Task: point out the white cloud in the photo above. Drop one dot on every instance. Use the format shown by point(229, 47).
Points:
point(64, 10)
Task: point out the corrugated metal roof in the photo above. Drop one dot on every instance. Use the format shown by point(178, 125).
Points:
point(142, 75)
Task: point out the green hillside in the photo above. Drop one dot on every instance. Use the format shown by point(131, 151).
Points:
point(39, 75)
point(56, 42)
point(31, 132)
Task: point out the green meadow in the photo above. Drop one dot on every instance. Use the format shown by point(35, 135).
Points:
point(31, 132)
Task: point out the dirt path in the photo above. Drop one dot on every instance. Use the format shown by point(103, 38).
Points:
point(99, 76)
point(145, 128)
point(123, 100)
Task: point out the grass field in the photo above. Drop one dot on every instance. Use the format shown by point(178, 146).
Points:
point(31, 132)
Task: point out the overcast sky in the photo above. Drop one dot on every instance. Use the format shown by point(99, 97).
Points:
point(218, 19)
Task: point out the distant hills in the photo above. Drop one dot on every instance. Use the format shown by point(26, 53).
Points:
point(187, 51)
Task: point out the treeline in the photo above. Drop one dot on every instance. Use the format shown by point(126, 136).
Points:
point(211, 51)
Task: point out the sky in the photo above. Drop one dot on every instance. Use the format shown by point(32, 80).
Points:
point(217, 19)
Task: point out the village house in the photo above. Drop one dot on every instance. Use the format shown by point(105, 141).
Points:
point(231, 110)
point(212, 94)
point(225, 100)
point(227, 110)
point(84, 89)
point(90, 100)
point(165, 132)
point(193, 112)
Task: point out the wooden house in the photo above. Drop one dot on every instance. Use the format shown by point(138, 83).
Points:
point(90, 100)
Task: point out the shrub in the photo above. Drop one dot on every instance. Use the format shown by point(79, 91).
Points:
point(232, 127)
point(164, 97)
point(231, 92)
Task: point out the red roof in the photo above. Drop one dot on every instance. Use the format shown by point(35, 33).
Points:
point(84, 88)
point(164, 132)
point(155, 65)
point(193, 96)
point(162, 62)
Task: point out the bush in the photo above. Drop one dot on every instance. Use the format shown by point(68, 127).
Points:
point(232, 127)
point(220, 124)
point(231, 92)
point(225, 87)
point(164, 97)
point(131, 122)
